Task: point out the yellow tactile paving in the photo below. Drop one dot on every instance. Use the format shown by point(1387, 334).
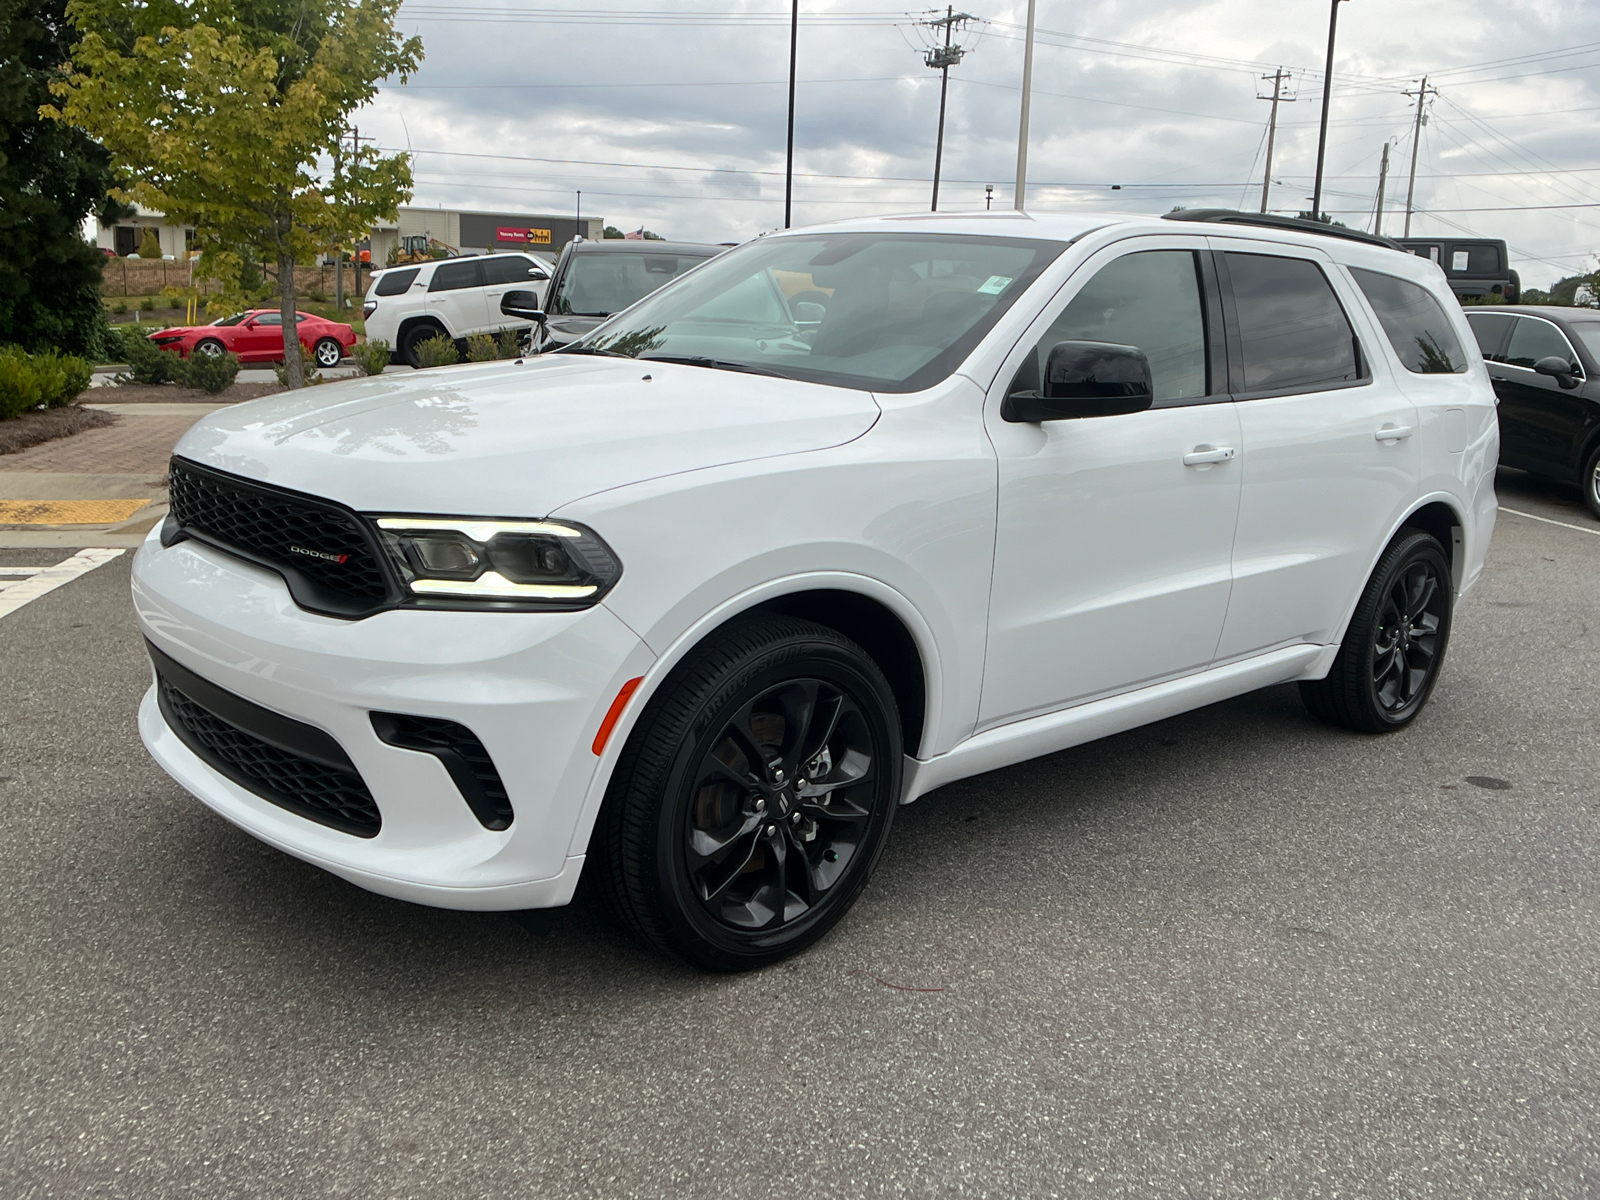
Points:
point(67, 512)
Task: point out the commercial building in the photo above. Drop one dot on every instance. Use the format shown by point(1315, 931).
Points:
point(482, 232)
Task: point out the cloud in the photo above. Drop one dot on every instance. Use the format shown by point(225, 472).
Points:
point(681, 126)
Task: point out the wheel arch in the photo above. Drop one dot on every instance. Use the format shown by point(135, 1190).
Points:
point(1439, 518)
point(865, 610)
point(407, 324)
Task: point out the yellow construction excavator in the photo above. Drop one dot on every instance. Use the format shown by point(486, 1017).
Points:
point(422, 248)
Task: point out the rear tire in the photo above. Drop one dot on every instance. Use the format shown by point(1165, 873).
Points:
point(328, 353)
point(754, 798)
point(1392, 652)
point(414, 337)
point(1589, 482)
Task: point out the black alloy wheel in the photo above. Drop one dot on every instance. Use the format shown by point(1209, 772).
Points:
point(210, 347)
point(1390, 658)
point(328, 353)
point(755, 796)
point(1590, 482)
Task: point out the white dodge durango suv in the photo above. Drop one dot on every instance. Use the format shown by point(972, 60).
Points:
point(846, 514)
point(456, 297)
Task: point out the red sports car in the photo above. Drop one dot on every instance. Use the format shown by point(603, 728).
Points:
point(257, 336)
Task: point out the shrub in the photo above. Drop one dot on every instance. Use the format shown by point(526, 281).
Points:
point(212, 373)
point(437, 351)
point(62, 377)
point(149, 244)
point(482, 348)
point(19, 383)
point(175, 302)
point(79, 373)
point(308, 368)
point(121, 306)
point(147, 362)
point(372, 356)
point(509, 342)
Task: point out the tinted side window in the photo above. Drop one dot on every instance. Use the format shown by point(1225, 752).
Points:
point(1292, 331)
point(1416, 325)
point(448, 276)
point(507, 271)
point(1490, 330)
point(1532, 340)
point(270, 319)
point(1150, 300)
point(392, 283)
point(1475, 260)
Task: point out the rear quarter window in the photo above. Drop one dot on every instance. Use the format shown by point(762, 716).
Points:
point(1292, 330)
point(392, 283)
point(1414, 323)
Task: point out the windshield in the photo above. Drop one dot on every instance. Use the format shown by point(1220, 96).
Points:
point(233, 320)
point(892, 312)
point(1589, 333)
point(599, 284)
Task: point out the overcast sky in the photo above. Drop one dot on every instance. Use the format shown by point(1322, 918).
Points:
point(671, 113)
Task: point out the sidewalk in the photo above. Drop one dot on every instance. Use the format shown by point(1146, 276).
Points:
point(103, 487)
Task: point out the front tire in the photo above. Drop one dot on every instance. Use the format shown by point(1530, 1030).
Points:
point(210, 348)
point(328, 353)
point(1589, 481)
point(1392, 652)
point(754, 798)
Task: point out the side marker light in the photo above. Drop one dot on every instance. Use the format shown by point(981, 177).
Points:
point(614, 714)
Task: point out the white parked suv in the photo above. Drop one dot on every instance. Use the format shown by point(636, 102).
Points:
point(457, 297)
point(695, 603)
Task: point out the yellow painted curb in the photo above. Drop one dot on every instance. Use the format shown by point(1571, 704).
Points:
point(67, 512)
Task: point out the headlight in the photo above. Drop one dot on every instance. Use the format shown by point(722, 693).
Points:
point(534, 564)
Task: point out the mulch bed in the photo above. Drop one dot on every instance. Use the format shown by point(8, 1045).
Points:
point(166, 393)
point(32, 428)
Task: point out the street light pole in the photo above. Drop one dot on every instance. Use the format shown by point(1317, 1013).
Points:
point(1022, 125)
point(788, 172)
point(1327, 95)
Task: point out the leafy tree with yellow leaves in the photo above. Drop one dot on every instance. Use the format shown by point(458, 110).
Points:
point(228, 115)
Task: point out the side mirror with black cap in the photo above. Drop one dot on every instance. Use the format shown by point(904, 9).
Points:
point(1085, 379)
point(1558, 369)
point(524, 306)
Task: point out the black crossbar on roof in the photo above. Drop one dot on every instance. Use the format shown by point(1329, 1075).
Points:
point(1229, 216)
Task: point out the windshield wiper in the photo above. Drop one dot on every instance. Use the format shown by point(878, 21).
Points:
point(720, 364)
point(590, 350)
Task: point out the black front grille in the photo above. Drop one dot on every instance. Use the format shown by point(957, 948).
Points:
point(300, 768)
point(325, 553)
point(463, 756)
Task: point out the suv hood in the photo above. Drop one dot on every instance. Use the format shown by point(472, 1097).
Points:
point(519, 439)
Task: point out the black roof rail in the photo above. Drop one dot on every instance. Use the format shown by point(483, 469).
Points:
point(1229, 216)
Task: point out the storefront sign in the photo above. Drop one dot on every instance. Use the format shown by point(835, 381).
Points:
point(531, 237)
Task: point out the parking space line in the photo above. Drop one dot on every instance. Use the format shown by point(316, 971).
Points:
point(38, 581)
point(1564, 524)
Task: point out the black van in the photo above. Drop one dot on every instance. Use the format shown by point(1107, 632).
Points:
point(1474, 266)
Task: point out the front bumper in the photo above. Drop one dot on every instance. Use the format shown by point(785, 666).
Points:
point(533, 687)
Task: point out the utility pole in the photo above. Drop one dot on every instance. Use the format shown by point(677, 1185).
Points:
point(1279, 78)
point(1422, 94)
point(941, 59)
point(1327, 95)
point(577, 220)
point(1022, 125)
point(788, 173)
point(1383, 177)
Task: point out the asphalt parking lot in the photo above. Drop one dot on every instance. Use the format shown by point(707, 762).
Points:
point(1232, 954)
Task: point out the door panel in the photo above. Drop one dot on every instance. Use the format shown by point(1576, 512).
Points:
point(1320, 486)
point(1111, 555)
point(1540, 421)
point(456, 296)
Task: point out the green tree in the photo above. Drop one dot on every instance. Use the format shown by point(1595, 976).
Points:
point(149, 243)
point(229, 115)
point(51, 178)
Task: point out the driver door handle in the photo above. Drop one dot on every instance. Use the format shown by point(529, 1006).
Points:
point(1202, 455)
point(1393, 433)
